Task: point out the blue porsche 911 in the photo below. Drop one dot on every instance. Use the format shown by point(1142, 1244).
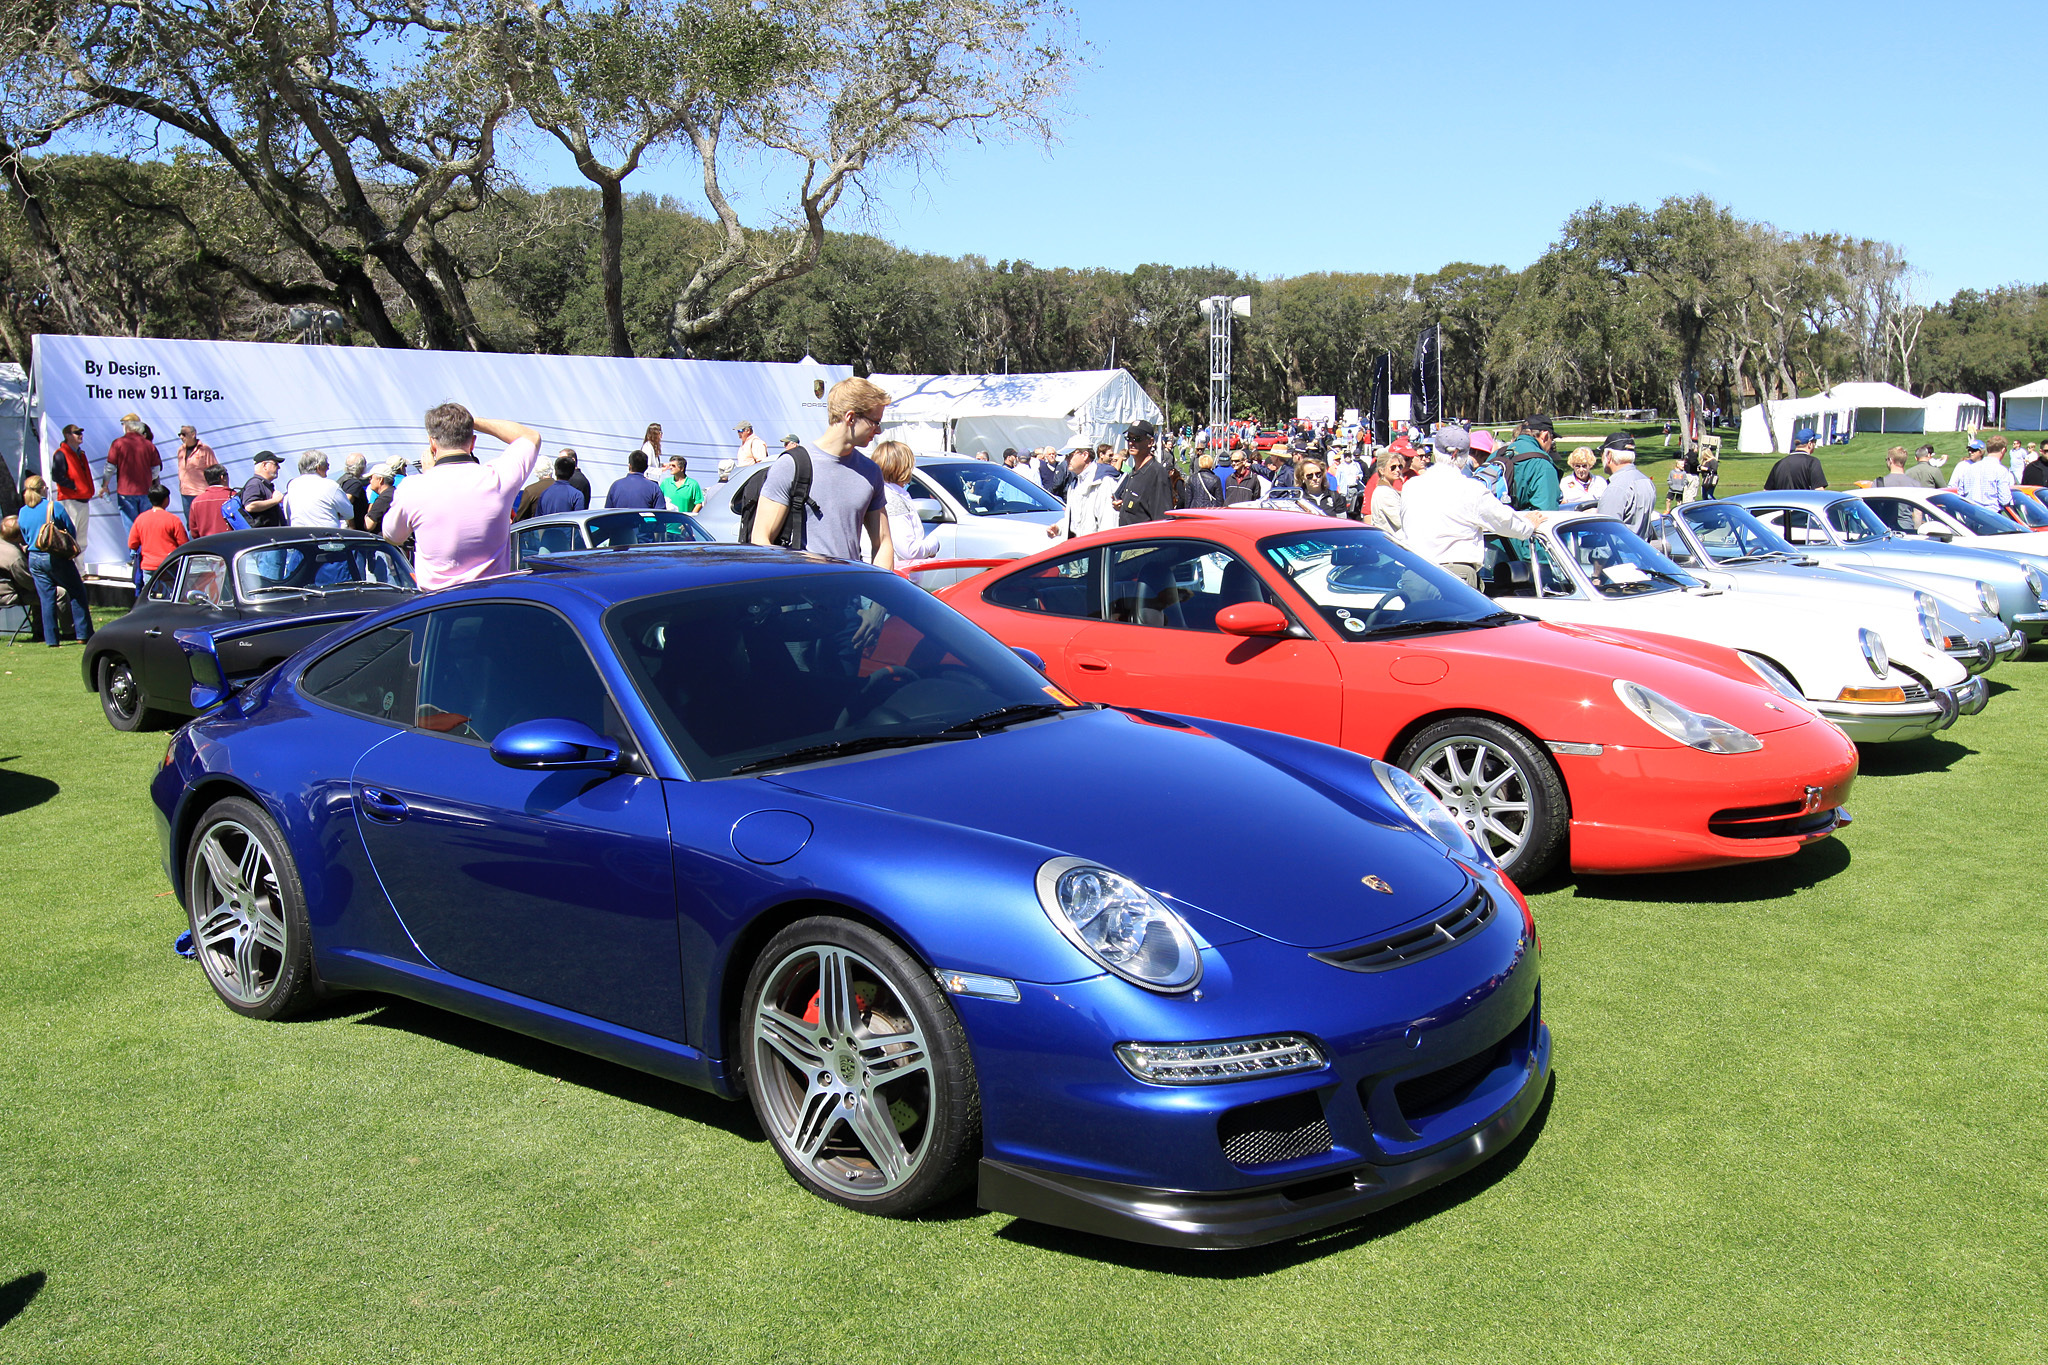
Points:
point(792, 830)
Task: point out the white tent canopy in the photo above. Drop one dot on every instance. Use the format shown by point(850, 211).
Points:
point(243, 396)
point(2026, 407)
point(937, 413)
point(1841, 411)
point(1953, 412)
point(13, 419)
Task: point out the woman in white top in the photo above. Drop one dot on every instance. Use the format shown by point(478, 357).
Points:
point(1582, 485)
point(913, 544)
point(1385, 512)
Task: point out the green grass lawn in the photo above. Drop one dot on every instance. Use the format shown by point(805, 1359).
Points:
point(1799, 1116)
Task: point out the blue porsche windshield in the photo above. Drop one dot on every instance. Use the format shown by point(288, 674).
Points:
point(775, 672)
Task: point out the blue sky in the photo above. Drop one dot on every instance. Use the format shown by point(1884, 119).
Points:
point(1401, 137)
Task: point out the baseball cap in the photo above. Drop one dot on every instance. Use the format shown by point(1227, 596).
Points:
point(1540, 424)
point(1618, 440)
point(263, 455)
point(744, 426)
point(792, 436)
point(70, 427)
point(1454, 440)
point(1803, 435)
point(1976, 445)
point(1141, 429)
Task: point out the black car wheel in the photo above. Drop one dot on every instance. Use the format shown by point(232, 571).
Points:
point(248, 913)
point(859, 1070)
point(1503, 789)
point(121, 696)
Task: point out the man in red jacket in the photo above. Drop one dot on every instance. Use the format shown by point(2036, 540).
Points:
point(155, 534)
point(71, 471)
point(205, 518)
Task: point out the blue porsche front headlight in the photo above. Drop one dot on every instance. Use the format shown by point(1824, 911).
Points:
point(1119, 924)
point(1420, 804)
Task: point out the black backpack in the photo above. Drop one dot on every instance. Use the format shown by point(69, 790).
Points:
point(795, 529)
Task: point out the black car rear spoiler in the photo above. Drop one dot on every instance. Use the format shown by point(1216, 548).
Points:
point(211, 684)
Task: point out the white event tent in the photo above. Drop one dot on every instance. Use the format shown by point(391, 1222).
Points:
point(2026, 407)
point(1953, 412)
point(1840, 411)
point(244, 396)
point(937, 413)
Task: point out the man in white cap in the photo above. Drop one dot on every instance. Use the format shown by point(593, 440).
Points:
point(753, 450)
point(1446, 516)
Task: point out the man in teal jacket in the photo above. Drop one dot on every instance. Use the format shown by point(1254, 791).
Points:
point(1534, 481)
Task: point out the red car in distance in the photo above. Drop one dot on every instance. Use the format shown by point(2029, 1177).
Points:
point(1618, 751)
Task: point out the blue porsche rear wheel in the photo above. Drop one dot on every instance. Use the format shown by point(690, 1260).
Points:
point(248, 913)
point(859, 1070)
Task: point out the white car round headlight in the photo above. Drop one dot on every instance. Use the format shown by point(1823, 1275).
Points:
point(2036, 584)
point(1434, 818)
point(1874, 651)
point(1930, 620)
point(1707, 733)
point(1120, 924)
point(1987, 597)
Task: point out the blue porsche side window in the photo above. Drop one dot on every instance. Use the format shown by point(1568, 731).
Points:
point(494, 664)
point(375, 675)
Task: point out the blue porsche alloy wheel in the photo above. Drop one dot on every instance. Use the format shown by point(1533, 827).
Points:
point(859, 1070)
point(248, 913)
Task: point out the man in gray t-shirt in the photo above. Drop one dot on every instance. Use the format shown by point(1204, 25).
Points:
point(1630, 495)
point(846, 486)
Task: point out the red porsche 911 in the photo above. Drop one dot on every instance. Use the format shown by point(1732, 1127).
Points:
point(1619, 751)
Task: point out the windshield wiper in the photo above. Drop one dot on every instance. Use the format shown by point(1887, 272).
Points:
point(1499, 618)
point(839, 748)
point(284, 587)
point(1006, 715)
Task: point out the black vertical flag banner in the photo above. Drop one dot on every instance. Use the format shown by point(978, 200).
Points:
point(1428, 377)
point(1382, 383)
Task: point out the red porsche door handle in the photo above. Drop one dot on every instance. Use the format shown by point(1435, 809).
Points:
point(1089, 663)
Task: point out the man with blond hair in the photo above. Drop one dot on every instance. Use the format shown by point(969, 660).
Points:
point(846, 487)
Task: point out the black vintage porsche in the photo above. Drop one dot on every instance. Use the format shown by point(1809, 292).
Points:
point(135, 664)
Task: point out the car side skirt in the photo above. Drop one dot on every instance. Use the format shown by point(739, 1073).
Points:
point(354, 969)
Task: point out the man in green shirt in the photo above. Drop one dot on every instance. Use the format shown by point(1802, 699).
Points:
point(682, 492)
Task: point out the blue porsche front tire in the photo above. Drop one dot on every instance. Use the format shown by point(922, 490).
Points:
point(859, 1070)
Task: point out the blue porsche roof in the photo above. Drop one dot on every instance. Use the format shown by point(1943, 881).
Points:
point(622, 575)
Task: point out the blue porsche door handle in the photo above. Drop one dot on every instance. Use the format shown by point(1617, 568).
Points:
point(382, 805)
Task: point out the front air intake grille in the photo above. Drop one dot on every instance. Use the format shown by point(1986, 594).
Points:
point(1274, 1130)
point(1446, 931)
point(1770, 822)
point(1421, 1096)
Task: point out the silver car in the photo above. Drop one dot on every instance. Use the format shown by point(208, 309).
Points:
point(1842, 531)
point(601, 528)
point(1727, 539)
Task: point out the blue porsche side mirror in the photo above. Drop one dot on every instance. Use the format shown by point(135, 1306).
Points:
point(1029, 657)
point(554, 743)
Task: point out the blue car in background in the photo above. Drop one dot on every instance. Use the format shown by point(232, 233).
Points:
point(791, 830)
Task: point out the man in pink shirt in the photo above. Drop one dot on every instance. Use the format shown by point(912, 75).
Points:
point(195, 457)
point(457, 511)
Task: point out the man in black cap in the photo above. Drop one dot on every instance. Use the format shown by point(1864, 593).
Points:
point(1147, 491)
point(1800, 469)
point(262, 504)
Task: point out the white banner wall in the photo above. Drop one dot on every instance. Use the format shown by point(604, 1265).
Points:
point(249, 396)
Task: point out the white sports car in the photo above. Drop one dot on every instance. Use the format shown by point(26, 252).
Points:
point(1877, 672)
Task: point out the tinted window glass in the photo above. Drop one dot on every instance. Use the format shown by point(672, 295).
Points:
point(377, 674)
point(749, 671)
point(539, 541)
point(991, 490)
point(1976, 519)
point(1066, 587)
point(1729, 532)
point(1854, 519)
point(495, 664)
point(1178, 584)
point(615, 530)
point(206, 575)
point(164, 586)
point(311, 568)
point(1364, 583)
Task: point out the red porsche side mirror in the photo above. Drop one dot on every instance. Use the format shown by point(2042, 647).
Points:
point(1252, 618)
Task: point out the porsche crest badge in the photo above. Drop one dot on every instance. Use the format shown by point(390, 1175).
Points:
point(1378, 884)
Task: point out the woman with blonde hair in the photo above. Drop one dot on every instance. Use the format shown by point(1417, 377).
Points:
point(914, 545)
point(51, 566)
point(1385, 513)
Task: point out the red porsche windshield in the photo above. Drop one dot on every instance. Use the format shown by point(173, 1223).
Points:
point(1367, 586)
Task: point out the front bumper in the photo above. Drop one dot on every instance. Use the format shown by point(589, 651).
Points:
point(2032, 624)
point(1253, 1217)
point(1663, 809)
point(1892, 722)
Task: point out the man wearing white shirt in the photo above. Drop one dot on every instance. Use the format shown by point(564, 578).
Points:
point(1446, 516)
point(313, 499)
